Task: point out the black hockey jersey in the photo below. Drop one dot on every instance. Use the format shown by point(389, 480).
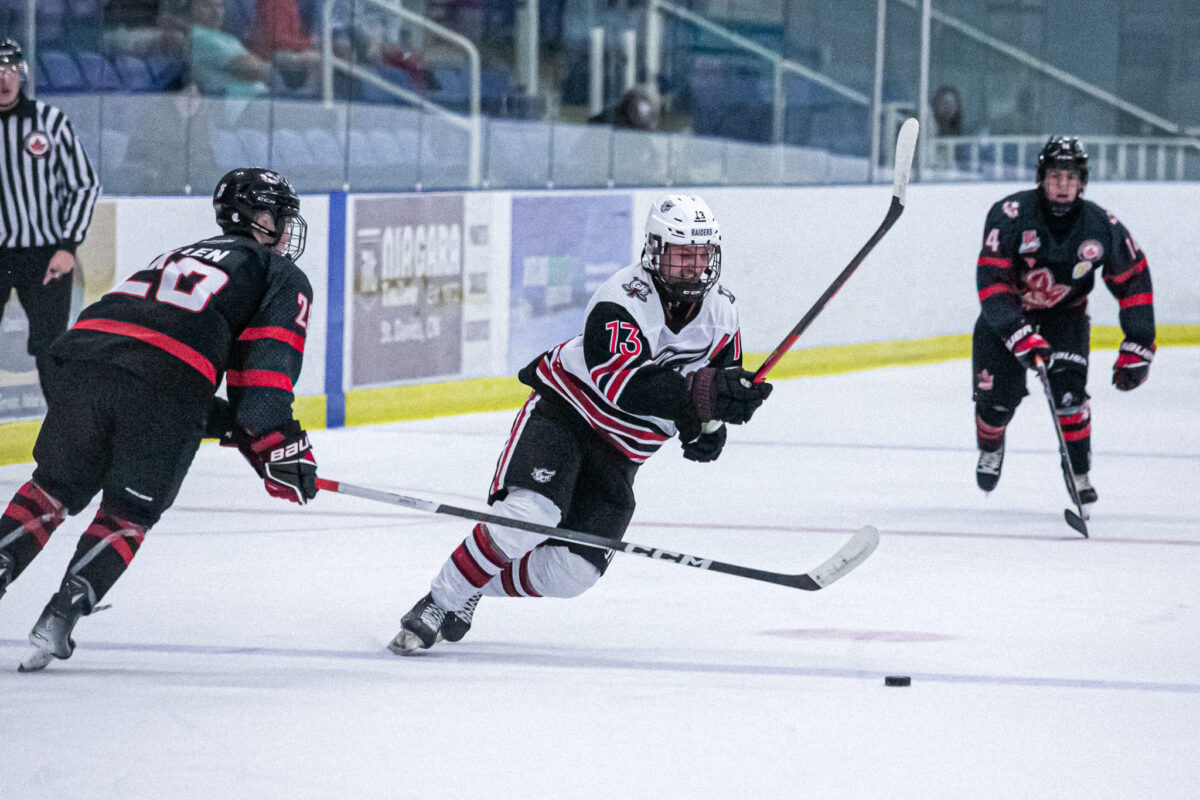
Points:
point(1026, 272)
point(223, 308)
point(625, 375)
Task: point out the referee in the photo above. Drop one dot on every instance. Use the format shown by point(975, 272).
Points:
point(47, 191)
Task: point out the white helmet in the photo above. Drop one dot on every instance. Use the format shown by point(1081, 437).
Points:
point(676, 229)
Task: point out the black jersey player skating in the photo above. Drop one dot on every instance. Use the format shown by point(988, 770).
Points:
point(131, 392)
point(1042, 250)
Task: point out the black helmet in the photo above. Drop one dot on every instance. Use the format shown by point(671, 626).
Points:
point(244, 193)
point(10, 53)
point(1063, 152)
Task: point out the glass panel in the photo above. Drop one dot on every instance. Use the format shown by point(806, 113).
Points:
point(516, 154)
point(581, 155)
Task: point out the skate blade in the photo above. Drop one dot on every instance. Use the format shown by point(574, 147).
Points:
point(35, 659)
point(406, 643)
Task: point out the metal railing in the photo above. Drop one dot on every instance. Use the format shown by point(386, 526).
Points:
point(780, 64)
point(1122, 158)
point(470, 122)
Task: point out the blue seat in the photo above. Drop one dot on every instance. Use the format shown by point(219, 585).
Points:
point(134, 72)
point(289, 153)
point(227, 150)
point(167, 72)
point(254, 146)
point(60, 73)
point(324, 146)
point(99, 73)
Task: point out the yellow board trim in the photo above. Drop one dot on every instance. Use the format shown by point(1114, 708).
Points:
point(476, 395)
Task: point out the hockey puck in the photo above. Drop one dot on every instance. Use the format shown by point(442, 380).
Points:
point(897, 680)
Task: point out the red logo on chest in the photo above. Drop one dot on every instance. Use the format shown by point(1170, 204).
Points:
point(1041, 291)
point(37, 144)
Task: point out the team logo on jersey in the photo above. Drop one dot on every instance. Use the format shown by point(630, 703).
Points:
point(1030, 243)
point(1081, 269)
point(1041, 291)
point(637, 288)
point(37, 144)
point(1011, 208)
point(542, 475)
point(1091, 250)
point(722, 290)
point(985, 381)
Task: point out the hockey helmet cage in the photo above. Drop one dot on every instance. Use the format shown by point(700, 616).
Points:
point(1063, 152)
point(243, 194)
point(676, 224)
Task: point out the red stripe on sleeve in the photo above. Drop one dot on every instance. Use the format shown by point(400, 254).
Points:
point(985, 261)
point(160, 340)
point(1144, 299)
point(273, 332)
point(259, 377)
point(996, 288)
point(1127, 274)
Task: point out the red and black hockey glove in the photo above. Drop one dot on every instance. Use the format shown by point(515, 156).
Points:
point(283, 459)
point(703, 445)
point(1029, 346)
point(1133, 365)
point(729, 395)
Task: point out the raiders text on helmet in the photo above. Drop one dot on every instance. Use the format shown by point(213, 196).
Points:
point(244, 193)
point(680, 232)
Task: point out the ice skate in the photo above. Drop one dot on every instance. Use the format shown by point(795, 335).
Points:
point(457, 623)
point(1087, 492)
point(987, 471)
point(419, 627)
point(51, 634)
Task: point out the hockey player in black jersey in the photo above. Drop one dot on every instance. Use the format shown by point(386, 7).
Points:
point(1042, 250)
point(659, 356)
point(131, 392)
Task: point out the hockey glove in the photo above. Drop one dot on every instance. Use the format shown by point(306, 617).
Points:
point(284, 460)
point(729, 395)
point(705, 445)
point(1029, 347)
point(1133, 365)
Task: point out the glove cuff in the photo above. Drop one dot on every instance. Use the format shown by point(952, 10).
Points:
point(1141, 351)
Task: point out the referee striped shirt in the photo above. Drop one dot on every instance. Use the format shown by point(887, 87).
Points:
point(47, 184)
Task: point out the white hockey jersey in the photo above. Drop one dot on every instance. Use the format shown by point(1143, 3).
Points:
point(626, 373)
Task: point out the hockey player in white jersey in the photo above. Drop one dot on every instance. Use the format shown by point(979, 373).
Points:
point(659, 356)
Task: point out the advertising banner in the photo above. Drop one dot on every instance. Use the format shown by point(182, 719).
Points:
point(563, 248)
point(407, 294)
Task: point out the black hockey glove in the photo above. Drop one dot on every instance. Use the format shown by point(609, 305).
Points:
point(705, 446)
point(283, 459)
point(729, 395)
point(1133, 365)
point(1026, 348)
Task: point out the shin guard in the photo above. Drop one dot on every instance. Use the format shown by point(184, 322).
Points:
point(25, 527)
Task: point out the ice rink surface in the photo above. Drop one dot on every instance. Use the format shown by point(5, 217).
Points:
point(243, 656)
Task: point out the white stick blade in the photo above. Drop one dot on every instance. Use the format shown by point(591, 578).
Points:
point(906, 146)
point(853, 553)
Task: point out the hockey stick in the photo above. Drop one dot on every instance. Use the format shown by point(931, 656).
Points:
point(1075, 520)
point(906, 143)
point(851, 554)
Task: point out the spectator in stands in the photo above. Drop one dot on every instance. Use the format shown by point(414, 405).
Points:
point(947, 111)
point(278, 36)
point(147, 28)
point(640, 109)
point(221, 65)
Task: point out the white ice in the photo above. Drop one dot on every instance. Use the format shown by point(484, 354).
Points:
point(244, 653)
